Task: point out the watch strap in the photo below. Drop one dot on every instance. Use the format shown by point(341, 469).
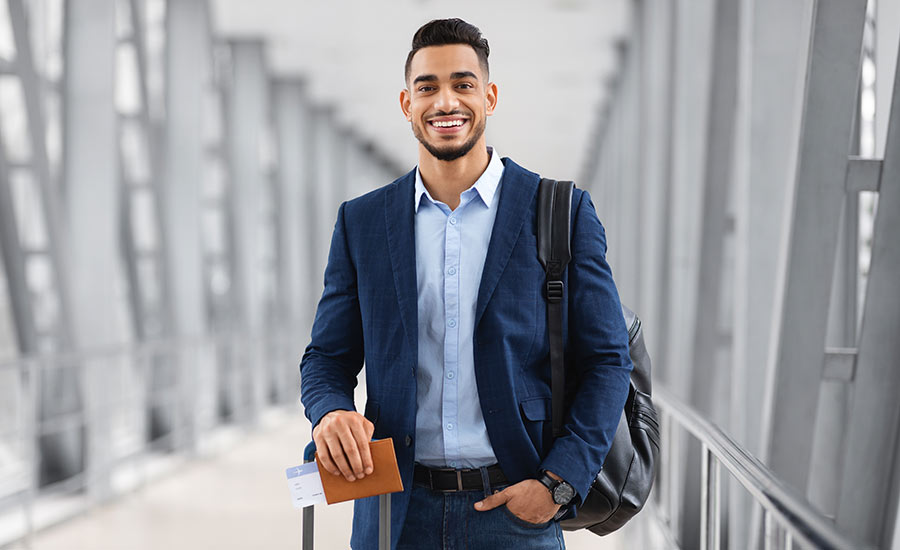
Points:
point(548, 482)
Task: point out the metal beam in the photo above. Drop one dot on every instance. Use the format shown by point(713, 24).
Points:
point(295, 245)
point(62, 452)
point(247, 124)
point(709, 375)
point(868, 503)
point(14, 261)
point(808, 252)
point(188, 76)
point(863, 174)
point(247, 120)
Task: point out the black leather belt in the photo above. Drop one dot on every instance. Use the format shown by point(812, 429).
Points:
point(448, 480)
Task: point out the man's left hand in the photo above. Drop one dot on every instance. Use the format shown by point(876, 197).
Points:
point(528, 500)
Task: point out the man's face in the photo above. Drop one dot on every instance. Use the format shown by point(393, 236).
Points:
point(447, 99)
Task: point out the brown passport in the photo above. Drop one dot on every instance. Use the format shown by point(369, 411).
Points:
point(385, 477)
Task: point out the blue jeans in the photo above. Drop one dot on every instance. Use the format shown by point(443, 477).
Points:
point(449, 521)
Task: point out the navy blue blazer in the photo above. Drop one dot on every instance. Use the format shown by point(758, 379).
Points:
point(368, 313)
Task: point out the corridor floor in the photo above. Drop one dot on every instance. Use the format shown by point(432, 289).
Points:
point(238, 499)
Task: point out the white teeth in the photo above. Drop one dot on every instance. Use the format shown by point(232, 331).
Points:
point(447, 124)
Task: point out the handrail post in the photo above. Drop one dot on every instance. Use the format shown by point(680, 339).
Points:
point(716, 474)
point(674, 495)
point(704, 497)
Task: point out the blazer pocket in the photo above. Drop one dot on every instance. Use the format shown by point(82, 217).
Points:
point(536, 409)
point(535, 412)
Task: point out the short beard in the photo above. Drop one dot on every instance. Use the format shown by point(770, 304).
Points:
point(448, 155)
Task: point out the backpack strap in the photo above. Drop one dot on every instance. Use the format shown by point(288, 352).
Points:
point(554, 252)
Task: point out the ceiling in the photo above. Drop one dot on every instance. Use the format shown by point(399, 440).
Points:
point(549, 59)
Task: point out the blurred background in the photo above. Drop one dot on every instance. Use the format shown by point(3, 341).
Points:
point(170, 171)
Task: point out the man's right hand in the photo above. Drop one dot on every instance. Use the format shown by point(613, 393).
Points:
point(342, 444)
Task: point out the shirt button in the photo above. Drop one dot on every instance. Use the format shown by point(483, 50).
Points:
point(452, 271)
point(450, 375)
point(408, 441)
point(449, 426)
point(452, 221)
point(451, 323)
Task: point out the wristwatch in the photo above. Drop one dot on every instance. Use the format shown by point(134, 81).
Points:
point(561, 491)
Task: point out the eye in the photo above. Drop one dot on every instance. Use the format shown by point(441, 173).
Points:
point(426, 88)
point(466, 85)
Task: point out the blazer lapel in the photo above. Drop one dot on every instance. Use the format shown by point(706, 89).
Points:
point(516, 196)
point(399, 218)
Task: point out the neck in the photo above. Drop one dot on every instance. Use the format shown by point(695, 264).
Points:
point(446, 180)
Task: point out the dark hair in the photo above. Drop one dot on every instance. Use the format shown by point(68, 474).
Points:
point(441, 32)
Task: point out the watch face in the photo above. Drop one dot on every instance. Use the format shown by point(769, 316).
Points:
point(563, 493)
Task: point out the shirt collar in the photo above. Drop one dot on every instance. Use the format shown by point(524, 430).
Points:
point(485, 186)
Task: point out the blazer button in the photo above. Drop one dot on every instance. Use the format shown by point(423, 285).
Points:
point(408, 441)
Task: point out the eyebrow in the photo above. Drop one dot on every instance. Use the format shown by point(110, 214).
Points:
point(463, 74)
point(453, 76)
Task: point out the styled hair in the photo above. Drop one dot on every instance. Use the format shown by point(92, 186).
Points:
point(441, 32)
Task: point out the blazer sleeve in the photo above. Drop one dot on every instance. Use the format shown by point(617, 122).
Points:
point(334, 357)
point(597, 354)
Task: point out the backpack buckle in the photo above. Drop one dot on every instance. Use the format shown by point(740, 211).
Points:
point(554, 291)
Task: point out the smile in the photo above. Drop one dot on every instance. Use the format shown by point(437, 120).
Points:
point(447, 125)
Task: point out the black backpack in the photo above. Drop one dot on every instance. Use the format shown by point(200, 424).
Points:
point(623, 484)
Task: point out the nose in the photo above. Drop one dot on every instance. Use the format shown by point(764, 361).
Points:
point(446, 100)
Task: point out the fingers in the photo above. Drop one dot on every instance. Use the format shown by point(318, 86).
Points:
point(493, 501)
point(342, 438)
point(352, 454)
point(339, 457)
point(362, 434)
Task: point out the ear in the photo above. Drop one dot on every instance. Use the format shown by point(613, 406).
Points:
point(490, 98)
point(404, 104)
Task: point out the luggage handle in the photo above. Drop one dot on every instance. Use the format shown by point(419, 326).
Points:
point(384, 513)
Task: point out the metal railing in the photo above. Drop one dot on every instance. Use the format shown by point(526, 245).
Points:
point(126, 408)
point(788, 520)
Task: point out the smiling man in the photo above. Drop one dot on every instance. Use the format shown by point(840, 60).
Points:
point(434, 281)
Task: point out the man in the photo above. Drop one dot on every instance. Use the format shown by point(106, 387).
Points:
point(434, 281)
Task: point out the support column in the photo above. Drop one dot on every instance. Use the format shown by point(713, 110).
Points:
point(292, 123)
point(868, 503)
point(92, 184)
point(188, 66)
point(794, 372)
point(774, 37)
point(710, 377)
point(247, 126)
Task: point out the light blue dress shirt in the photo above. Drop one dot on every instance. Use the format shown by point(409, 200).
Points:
point(450, 251)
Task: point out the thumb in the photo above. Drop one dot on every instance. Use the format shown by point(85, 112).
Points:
point(493, 501)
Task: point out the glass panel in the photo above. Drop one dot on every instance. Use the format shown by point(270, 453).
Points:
point(219, 279)
point(155, 44)
point(128, 94)
point(123, 19)
point(134, 153)
point(7, 45)
point(212, 117)
point(148, 273)
point(8, 346)
point(143, 221)
point(14, 120)
point(213, 180)
point(214, 232)
point(53, 134)
point(39, 274)
point(29, 214)
point(46, 21)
